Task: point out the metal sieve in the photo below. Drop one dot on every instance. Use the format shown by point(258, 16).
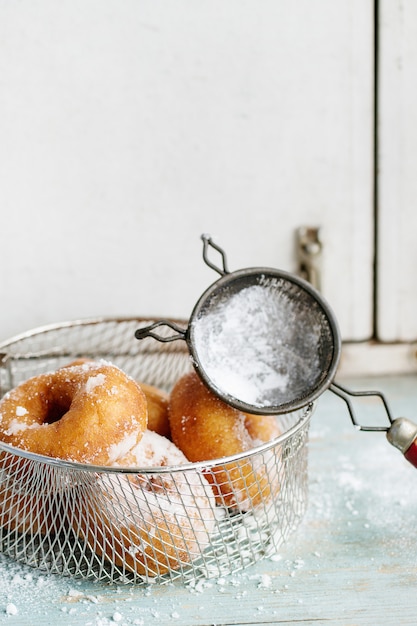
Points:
point(82, 521)
point(266, 342)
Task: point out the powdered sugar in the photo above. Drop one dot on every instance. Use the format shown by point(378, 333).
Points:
point(118, 450)
point(16, 426)
point(143, 504)
point(95, 381)
point(153, 450)
point(177, 499)
point(11, 609)
point(256, 347)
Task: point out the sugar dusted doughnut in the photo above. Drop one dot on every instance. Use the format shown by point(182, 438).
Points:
point(149, 523)
point(206, 428)
point(157, 401)
point(89, 412)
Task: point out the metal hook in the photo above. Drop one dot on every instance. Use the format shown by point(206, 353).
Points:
point(142, 333)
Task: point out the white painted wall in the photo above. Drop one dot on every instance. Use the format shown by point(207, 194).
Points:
point(397, 224)
point(130, 127)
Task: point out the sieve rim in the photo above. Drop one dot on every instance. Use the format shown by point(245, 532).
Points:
point(233, 277)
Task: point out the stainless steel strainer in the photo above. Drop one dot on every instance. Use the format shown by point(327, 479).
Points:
point(267, 342)
point(85, 521)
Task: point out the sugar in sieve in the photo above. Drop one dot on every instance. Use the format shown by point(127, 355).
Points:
point(266, 342)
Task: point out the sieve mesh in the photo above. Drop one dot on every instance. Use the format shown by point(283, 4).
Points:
point(89, 522)
point(262, 341)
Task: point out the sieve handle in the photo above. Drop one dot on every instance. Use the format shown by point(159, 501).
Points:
point(207, 243)
point(147, 331)
point(411, 454)
point(344, 394)
point(401, 433)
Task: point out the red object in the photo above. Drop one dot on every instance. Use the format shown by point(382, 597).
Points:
point(403, 435)
point(411, 453)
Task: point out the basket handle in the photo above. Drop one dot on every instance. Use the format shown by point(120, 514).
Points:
point(147, 331)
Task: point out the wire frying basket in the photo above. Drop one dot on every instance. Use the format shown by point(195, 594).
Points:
point(142, 525)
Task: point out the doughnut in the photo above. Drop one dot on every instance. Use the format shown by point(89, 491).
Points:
point(90, 413)
point(206, 428)
point(80, 361)
point(157, 409)
point(157, 404)
point(148, 523)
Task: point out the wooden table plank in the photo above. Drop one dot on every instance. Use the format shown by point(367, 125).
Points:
point(351, 562)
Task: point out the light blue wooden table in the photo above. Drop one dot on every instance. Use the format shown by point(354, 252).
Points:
point(352, 561)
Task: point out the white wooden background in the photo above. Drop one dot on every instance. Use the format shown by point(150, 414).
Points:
point(397, 219)
point(130, 127)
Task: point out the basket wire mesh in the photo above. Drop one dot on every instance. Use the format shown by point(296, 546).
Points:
point(149, 524)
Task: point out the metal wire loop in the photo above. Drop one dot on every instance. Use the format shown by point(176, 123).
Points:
point(344, 393)
point(142, 333)
point(207, 241)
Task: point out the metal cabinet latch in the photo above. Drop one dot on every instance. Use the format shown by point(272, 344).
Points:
point(309, 253)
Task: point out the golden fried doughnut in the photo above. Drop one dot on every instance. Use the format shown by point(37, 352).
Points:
point(80, 361)
point(149, 523)
point(206, 428)
point(157, 404)
point(87, 412)
point(90, 413)
point(157, 409)
point(261, 428)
